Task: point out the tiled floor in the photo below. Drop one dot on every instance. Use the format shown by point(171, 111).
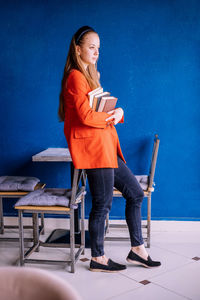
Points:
point(175, 244)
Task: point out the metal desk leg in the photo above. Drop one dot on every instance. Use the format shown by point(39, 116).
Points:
point(83, 226)
point(42, 223)
point(21, 239)
point(1, 216)
point(35, 230)
point(72, 242)
point(76, 211)
point(148, 220)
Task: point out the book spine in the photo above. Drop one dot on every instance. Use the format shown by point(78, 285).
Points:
point(94, 103)
point(101, 105)
point(98, 102)
point(90, 100)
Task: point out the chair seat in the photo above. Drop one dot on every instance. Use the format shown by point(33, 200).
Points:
point(18, 183)
point(21, 193)
point(14, 182)
point(117, 193)
point(49, 199)
point(43, 208)
point(143, 181)
point(46, 198)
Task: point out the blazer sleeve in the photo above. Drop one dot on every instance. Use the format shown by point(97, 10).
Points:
point(77, 88)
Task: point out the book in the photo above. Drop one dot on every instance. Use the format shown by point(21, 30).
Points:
point(97, 99)
point(93, 93)
point(107, 103)
point(101, 101)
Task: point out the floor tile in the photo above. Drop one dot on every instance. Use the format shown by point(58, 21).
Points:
point(187, 245)
point(150, 292)
point(169, 262)
point(9, 253)
point(97, 285)
point(183, 281)
point(175, 226)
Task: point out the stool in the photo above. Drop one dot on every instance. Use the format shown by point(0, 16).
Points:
point(54, 201)
point(13, 187)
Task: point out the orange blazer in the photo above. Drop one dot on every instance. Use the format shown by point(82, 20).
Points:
point(91, 141)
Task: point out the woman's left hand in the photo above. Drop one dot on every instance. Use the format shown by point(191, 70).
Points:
point(116, 115)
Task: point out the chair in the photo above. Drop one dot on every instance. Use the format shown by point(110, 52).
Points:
point(67, 201)
point(147, 184)
point(31, 284)
point(12, 184)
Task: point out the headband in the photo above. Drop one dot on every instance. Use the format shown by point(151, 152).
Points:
point(83, 30)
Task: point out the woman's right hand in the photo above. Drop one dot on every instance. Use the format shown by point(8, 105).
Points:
point(116, 115)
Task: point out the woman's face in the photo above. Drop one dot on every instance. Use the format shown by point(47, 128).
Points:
point(89, 49)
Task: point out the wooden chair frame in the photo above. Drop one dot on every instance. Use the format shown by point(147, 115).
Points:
point(147, 194)
point(77, 197)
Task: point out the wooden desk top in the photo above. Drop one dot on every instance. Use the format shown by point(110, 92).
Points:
point(53, 154)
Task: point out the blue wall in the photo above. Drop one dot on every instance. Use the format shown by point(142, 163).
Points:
point(149, 59)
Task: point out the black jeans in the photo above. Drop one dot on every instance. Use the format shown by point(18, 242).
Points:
point(101, 182)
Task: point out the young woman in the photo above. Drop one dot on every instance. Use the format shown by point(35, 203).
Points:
point(94, 146)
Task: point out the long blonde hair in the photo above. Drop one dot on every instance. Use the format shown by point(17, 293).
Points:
point(74, 61)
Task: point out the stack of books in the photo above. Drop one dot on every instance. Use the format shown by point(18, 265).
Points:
point(101, 101)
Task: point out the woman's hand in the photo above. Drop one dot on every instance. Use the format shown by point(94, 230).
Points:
point(116, 115)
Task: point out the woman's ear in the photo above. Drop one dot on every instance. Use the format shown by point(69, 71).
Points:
point(78, 49)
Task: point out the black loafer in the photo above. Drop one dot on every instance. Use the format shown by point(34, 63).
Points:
point(111, 267)
point(137, 260)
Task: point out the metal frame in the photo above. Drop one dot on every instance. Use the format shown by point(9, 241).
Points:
point(77, 197)
point(147, 194)
point(17, 195)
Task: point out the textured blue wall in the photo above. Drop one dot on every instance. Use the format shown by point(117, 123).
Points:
point(149, 59)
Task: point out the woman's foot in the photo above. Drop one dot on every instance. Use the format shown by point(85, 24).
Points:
point(141, 258)
point(110, 267)
point(103, 264)
point(101, 259)
point(141, 251)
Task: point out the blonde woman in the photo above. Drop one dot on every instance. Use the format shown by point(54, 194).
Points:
point(94, 146)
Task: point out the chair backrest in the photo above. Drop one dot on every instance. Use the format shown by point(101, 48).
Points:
point(78, 185)
point(153, 161)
